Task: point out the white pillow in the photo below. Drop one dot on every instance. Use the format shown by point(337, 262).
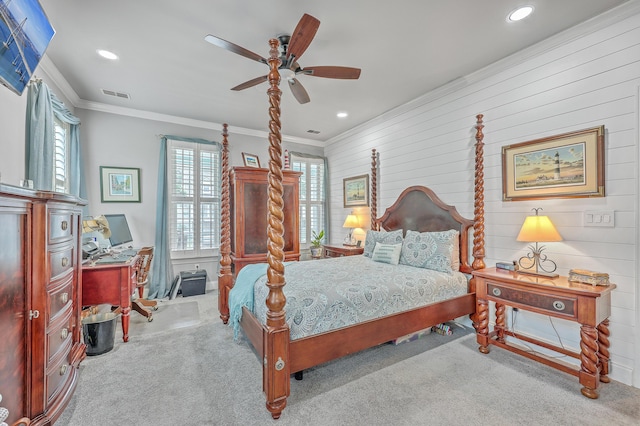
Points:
point(387, 253)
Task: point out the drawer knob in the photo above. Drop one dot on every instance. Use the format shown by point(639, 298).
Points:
point(63, 369)
point(496, 291)
point(64, 225)
point(64, 333)
point(65, 261)
point(558, 305)
point(64, 297)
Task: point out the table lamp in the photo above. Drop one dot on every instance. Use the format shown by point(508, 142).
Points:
point(537, 229)
point(350, 222)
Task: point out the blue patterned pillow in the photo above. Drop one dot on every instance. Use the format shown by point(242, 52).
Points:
point(387, 253)
point(373, 237)
point(431, 250)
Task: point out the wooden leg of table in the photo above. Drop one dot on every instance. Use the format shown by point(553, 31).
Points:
point(500, 321)
point(482, 316)
point(125, 323)
point(603, 350)
point(589, 360)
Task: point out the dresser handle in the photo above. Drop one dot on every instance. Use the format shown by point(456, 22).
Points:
point(496, 291)
point(34, 314)
point(558, 305)
point(64, 297)
point(65, 261)
point(64, 225)
point(63, 369)
point(64, 333)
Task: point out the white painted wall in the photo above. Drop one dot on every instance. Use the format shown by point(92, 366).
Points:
point(583, 78)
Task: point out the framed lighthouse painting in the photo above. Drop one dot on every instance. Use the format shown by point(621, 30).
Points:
point(569, 165)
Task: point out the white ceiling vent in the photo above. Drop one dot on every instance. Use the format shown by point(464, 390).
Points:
point(116, 94)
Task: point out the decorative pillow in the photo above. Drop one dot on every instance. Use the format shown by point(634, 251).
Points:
point(387, 253)
point(431, 250)
point(373, 237)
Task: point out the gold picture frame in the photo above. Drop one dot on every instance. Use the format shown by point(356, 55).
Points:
point(569, 165)
point(356, 191)
point(120, 184)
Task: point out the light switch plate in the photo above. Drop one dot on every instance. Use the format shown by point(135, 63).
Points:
point(599, 218)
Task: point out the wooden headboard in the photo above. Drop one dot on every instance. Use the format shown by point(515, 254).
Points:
point(418, 208)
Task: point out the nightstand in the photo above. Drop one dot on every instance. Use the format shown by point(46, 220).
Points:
point(588, 305)
point(339, 251)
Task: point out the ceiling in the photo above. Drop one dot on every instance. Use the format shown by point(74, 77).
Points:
point(405, 49)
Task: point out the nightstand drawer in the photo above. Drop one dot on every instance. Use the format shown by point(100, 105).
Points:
point(552, 305)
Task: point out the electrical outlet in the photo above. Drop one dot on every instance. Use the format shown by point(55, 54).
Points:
point(197, 266)
point(515, 309)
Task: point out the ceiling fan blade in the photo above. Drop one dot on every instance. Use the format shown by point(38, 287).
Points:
point(231, 47)
point(250, 83)
point(298, 91)
point(302, 36)
point(333, 72)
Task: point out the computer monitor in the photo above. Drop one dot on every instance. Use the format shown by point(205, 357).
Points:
point(120, 233)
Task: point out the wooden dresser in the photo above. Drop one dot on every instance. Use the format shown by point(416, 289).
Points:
point(40, 334)
point(249, 215)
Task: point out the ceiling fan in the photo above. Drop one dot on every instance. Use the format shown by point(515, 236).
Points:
point(292, 48)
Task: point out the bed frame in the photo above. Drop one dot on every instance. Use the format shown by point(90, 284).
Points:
point(417, 208)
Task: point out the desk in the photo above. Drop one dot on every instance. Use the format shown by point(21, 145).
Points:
point(111, 283)
point(588, 305)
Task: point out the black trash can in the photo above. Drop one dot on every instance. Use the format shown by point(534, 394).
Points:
point(100, 332)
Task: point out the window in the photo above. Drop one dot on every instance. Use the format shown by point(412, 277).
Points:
point(194, 198)
point(312, 195)
point(61, 156)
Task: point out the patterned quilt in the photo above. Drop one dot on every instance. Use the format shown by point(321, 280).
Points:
point(328, 294)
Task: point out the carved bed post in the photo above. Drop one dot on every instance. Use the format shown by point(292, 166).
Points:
point(225, 277)
point(375, 226)
point(275, 374)
point(478, 220)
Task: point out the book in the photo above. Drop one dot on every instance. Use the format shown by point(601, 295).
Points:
point(509, 266)
point(588, 277)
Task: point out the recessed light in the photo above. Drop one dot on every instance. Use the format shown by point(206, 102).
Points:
point(342, 114)
point(106, 54)
point(520, 13)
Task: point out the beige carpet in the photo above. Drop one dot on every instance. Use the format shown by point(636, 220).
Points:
point(198, 375)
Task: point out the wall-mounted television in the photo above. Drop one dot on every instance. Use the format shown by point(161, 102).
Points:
point(25, 34)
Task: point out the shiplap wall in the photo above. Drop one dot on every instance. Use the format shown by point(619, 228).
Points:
point(585, 77)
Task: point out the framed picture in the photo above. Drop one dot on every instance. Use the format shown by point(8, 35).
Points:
point(569, 165)
point(356, 191)
point(250, 160)
point(119, 185)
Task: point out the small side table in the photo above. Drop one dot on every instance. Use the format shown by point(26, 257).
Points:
point(339, 251)
point(588, 305)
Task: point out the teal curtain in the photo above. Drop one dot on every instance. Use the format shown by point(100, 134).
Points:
point(326, 186)
point(161, 268)
point(42, 106)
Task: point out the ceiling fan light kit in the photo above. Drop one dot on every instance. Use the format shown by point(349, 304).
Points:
point(291, 49)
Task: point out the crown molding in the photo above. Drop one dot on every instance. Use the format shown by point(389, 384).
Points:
point(52, 72)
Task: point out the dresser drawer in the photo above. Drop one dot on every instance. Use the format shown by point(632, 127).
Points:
point(59, 338)
point(60, 299)
point(61, 261)
point(60, 226)
point(58, 374)
point(544, 303)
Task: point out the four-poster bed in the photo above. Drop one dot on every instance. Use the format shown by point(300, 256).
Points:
point(417, 209)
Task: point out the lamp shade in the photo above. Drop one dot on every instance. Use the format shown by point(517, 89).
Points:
point(538, 229)
point(351, 221)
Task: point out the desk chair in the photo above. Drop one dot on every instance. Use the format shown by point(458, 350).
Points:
point(142, 266)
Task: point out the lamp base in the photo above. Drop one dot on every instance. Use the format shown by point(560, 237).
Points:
point(540, 274)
